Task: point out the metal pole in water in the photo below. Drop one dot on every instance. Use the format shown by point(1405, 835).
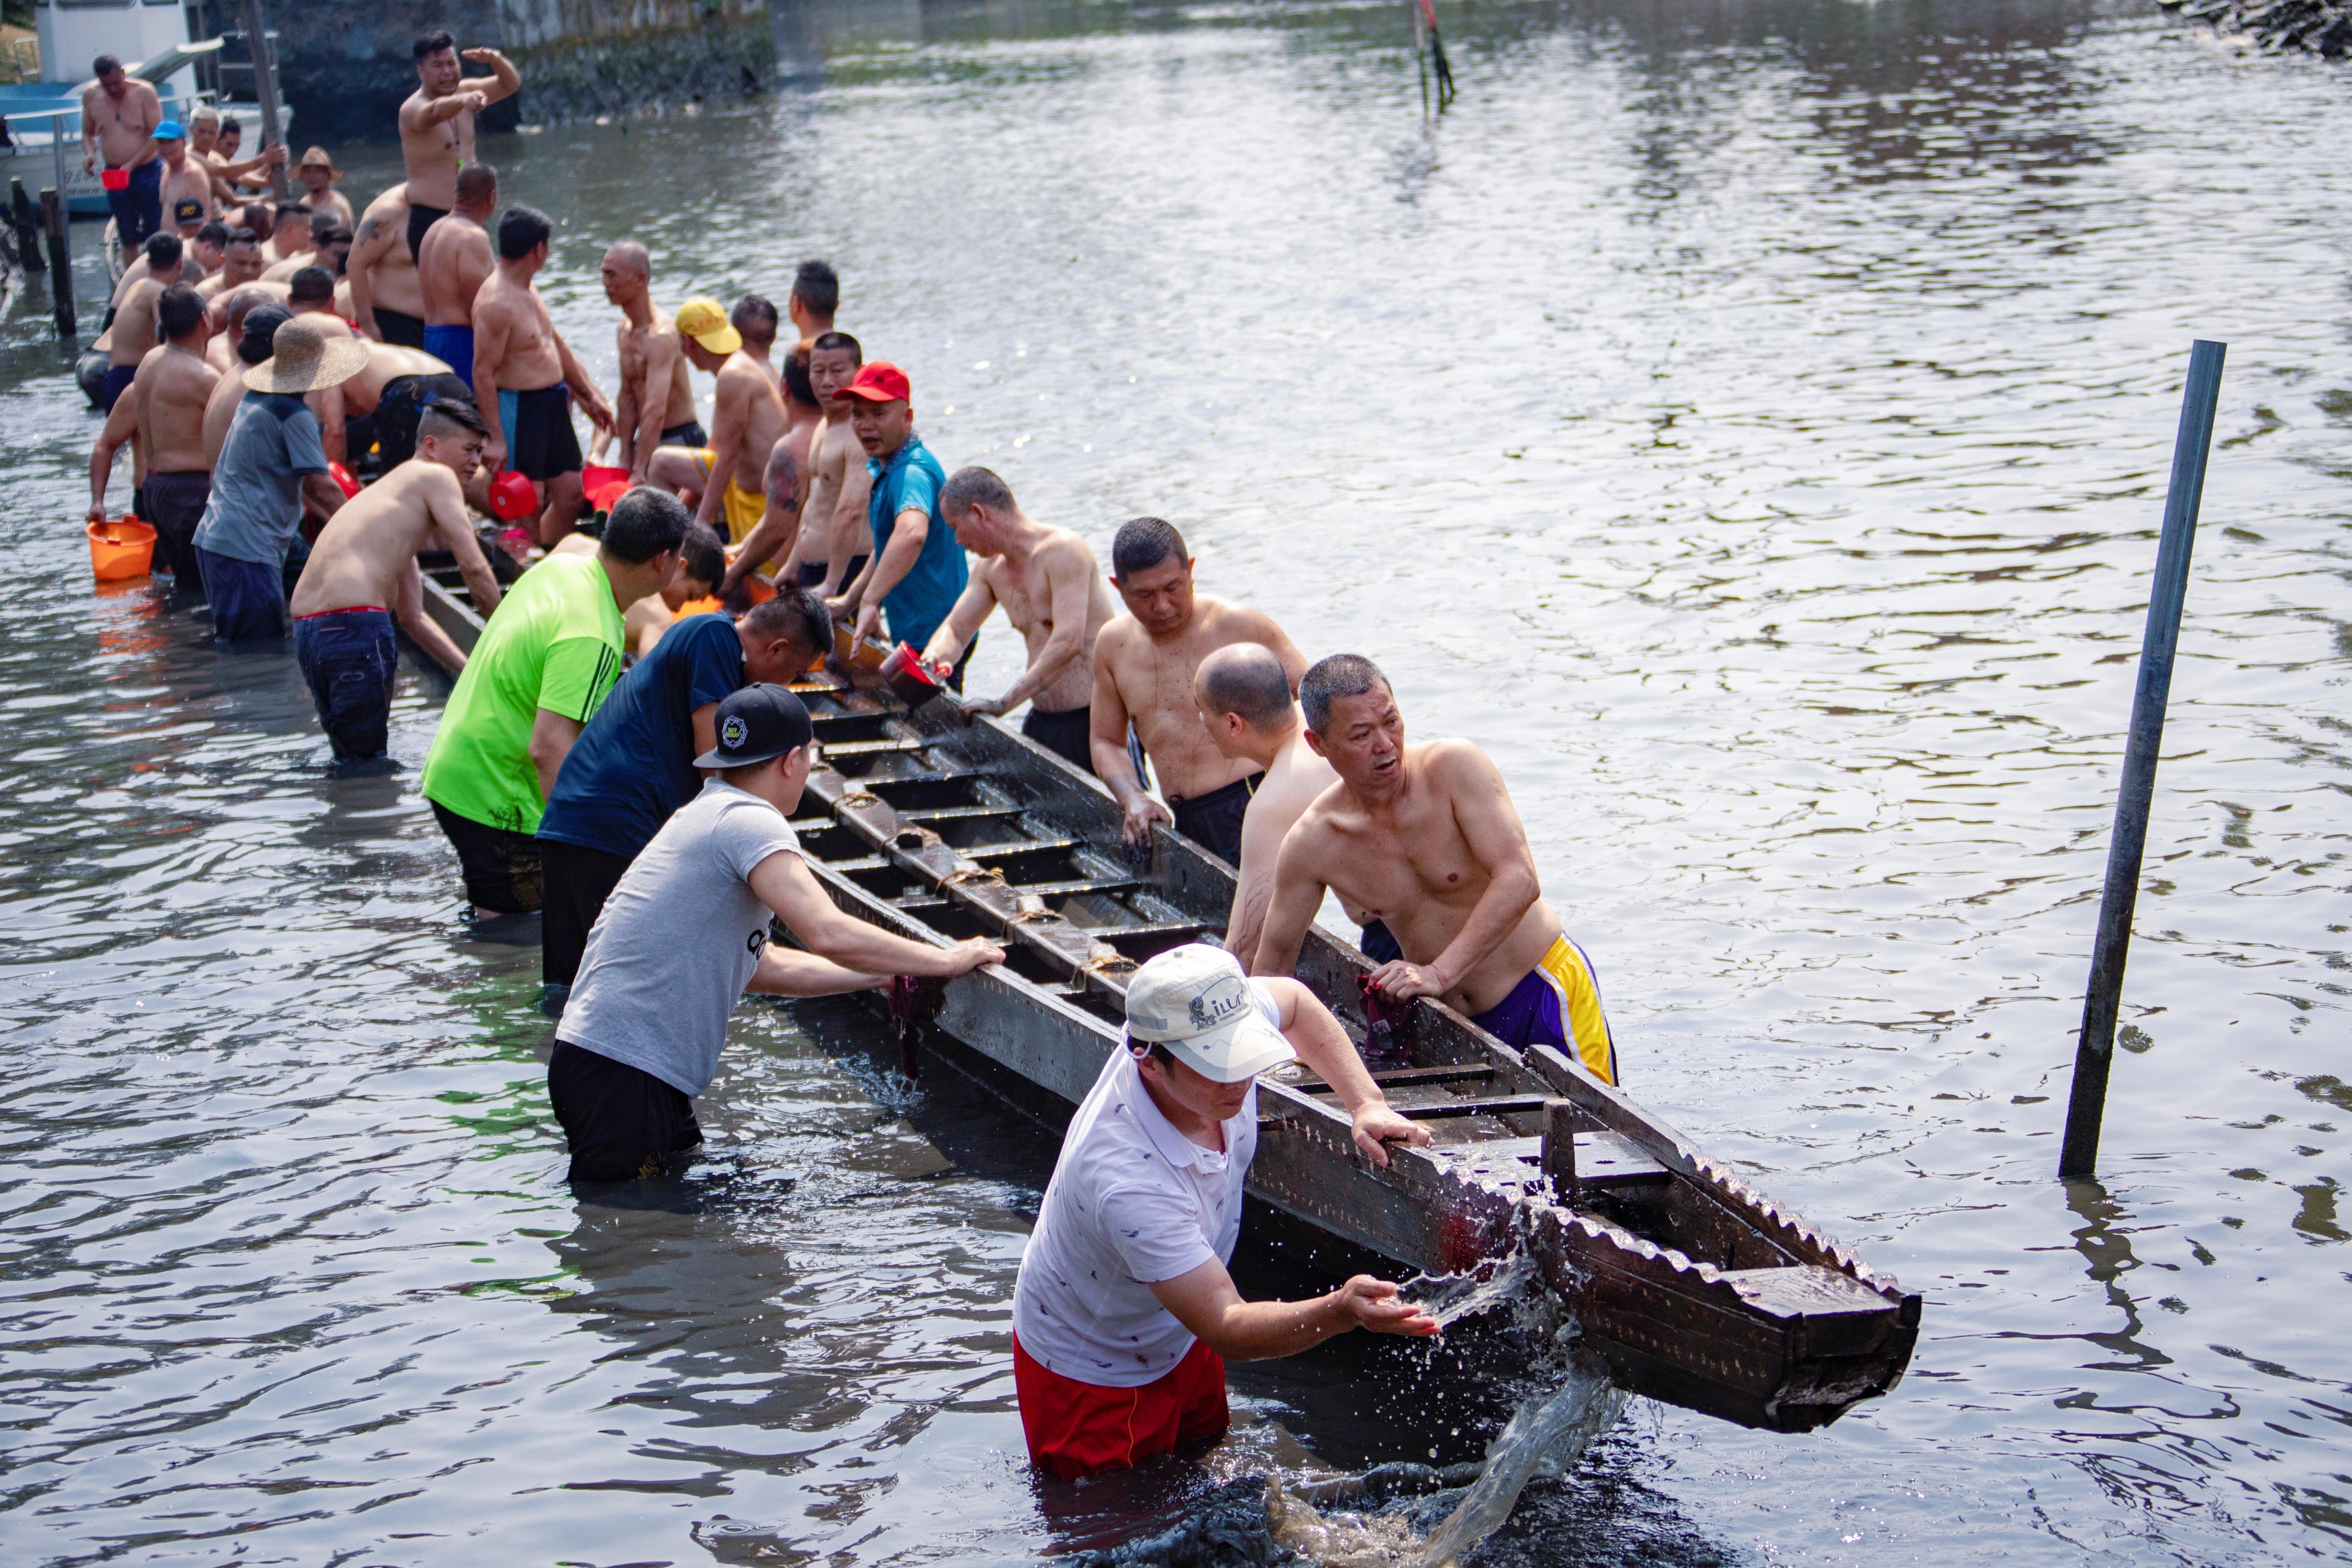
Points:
point(2095, 1050)
point(265, 88)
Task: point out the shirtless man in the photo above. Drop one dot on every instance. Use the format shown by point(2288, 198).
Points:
point(240, 264)
point(214, 142)
point(456, 258)
point(362, 575)
point(318, 174)
point(387, 300)
point(1424, 837)
point(184, 178)
point(254, 341)
point(163, 414)
point(787, 481)
point(1243, 695)
point(726, 481)
point(1144, 664)
point(817, 295)
point(833, 538)
point(655, 405)
point(525, 376)
point(220, 352)
point(381, 406)
point(436, 125)
point(1053, 592)
point(312, 229)
point(133, 331)
point(290, 232)
point(206, 252)
point(118, 117)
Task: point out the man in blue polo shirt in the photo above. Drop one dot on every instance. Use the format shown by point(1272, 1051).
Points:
point(917, 571)
point(633, 766)
point(271, 462)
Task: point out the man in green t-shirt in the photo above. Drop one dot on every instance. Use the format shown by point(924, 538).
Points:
point(549, 654)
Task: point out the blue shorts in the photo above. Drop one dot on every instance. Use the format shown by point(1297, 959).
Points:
point(453, 346)
point(1557, 1003)
point(117, 382)
point(248, 598)
point(139, 208)
point(346, 659)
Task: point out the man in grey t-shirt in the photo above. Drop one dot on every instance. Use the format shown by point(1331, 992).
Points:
point(686, 933)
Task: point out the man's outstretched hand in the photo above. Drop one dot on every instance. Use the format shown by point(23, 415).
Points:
point(1375, 1304)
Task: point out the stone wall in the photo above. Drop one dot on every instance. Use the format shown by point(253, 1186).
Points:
point(345, 65)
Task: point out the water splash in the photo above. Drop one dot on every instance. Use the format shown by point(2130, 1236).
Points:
point(1554, 1430)
point(1450, 1297)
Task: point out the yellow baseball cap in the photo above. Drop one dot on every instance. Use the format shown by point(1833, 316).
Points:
point(705, 321)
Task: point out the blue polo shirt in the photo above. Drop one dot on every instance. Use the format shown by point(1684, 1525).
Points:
point(633, 764)
point(912, 479)
point(255, 505)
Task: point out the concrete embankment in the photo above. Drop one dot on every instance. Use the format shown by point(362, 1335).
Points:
point(2312, 27)
point(346, 65)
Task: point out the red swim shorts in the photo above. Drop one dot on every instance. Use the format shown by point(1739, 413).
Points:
point(1079, 1428)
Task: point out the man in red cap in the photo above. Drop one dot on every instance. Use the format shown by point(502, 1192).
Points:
point(916, 571)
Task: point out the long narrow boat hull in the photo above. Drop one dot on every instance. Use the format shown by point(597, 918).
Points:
point(1696, 1289)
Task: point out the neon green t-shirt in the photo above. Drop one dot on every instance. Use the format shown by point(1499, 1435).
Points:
point(554, 642)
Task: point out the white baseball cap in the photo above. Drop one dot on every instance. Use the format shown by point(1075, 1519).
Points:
point(1196, 1001)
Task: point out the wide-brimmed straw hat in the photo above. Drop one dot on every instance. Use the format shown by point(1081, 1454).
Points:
point(316, 158)
point(307, 357)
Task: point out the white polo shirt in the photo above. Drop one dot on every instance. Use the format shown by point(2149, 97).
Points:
point(1132, 1201)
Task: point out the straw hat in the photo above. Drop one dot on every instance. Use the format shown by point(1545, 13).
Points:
point(307, 357)
point(316, 158)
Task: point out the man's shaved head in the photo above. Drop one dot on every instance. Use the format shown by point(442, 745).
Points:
point(632, 256)
point(477, 185)
point(1245, 678)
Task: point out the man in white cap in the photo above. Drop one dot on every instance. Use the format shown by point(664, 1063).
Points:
point(1124, 1313)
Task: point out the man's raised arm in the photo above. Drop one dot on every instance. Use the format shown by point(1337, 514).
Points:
point(504, 80)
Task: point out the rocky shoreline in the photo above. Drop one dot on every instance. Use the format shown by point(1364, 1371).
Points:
point(2276, 26)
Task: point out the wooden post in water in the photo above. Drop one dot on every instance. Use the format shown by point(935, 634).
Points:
point(28, 228)
point(53, 219)
point(264, 89)
point(2095, 1050)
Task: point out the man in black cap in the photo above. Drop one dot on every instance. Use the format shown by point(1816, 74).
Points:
point(686, 933)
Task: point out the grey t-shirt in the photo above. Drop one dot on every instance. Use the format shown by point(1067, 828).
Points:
point(257, 501)
point(678, 940)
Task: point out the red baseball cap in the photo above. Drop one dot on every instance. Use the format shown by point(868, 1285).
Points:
point(880, 382)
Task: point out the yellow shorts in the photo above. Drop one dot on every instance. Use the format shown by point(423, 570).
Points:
point(742, 507)
point(1557, 1003)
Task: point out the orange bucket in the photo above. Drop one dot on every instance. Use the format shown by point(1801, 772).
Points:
point(122, 548)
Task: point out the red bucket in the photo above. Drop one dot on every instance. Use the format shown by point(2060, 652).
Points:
point(114, 179)
point(513, 496)
point(912, 683)
point(604, 485)
point(344, 479)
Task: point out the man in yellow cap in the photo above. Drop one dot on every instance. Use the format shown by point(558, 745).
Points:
point(318, 174)
point(725, 480)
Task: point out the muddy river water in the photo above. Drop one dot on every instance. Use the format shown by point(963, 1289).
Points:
point(1749, 422)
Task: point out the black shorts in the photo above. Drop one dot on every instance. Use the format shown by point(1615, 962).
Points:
point(1378, 943)
point(1070, 733)
point(400, 328)
point(1213, 820)
point(812, 571)
point(500, 869)
point(400, 407)
point(574, 881)
point(624, 1124)
point(420, 218)
point(690, 434)
point(541, 442)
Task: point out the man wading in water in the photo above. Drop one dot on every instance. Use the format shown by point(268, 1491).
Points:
point(1123, 1314)
point(1144, 663)
point(685, 932)
point(1424, 838)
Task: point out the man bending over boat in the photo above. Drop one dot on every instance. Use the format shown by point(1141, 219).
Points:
point(1123, 1314)
point(686, 933)
point(362, 575)
point(1424, 838)
point(1052, 592)
point(1144, 664)
point(634, 765)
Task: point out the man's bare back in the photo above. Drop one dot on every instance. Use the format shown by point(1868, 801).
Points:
point(172, 387)
point(1293, 781)
point(134, 321)
point(379, 269)
point(365, 557)
point(453, 267)
point(749, 401)
point(385, 363)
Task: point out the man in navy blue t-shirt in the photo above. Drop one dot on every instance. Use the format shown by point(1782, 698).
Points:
point(633, 764)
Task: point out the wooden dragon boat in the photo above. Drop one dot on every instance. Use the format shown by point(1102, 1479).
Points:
point(1695, 1288)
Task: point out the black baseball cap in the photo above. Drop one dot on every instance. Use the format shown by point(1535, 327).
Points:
point(757, 724)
